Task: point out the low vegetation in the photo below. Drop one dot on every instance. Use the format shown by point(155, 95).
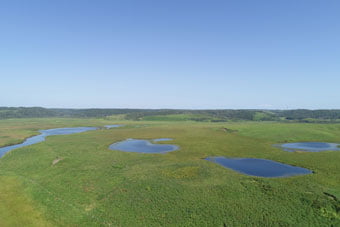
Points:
point(75, 180)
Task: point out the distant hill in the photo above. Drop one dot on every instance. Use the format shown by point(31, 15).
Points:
point(299, 115)
point(35, 112)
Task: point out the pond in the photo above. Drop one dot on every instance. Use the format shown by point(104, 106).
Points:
point(112, 126)
point(259, 167)
point(143, 146)
point(309, 146)
point(45, 133)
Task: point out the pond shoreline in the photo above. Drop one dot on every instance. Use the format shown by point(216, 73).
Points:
point(38, 138)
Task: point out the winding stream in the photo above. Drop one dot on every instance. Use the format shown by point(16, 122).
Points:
point(41, 137)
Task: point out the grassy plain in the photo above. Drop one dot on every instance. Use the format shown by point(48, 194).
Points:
point(94, 186)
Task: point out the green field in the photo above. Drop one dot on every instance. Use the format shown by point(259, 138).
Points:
point(91, 185)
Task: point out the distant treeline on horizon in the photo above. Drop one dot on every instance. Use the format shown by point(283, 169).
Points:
point(220, 115)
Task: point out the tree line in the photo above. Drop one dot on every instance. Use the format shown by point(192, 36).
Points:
point(298, 115)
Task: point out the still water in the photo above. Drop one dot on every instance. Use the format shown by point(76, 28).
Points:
point(143, 146)
point(112, 126)
point(44, 133)
point(310, 146)
point(259, 167)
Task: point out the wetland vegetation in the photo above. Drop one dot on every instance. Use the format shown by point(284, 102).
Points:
point(98, 158)
point(41, 137)
point(76, 180)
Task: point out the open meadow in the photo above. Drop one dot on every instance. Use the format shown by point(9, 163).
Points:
point(76, 180)
point(169, 113)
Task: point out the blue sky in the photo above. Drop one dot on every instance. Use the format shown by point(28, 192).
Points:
point(170, 54)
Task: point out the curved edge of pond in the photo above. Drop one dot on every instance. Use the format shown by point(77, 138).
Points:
point(259, 167)
point(113, 126)
point(308, 146)
point(41, 137)
point(144, 146)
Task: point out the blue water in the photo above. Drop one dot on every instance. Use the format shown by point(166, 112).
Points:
point(310, 146)
point(142, 146)
point(41, 137)
point(112, 126)
point(259, 167)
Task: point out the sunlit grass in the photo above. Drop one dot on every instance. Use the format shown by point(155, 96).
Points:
point(92, 185)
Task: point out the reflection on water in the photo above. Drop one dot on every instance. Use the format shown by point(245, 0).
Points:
point(259, 167)
point(44, 133)
point(112, 126)
point(310, 146)
point(142, 146)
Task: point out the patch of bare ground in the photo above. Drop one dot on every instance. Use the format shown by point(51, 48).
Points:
point(55, 161)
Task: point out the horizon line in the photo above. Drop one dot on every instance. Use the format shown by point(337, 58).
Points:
point(112, 108)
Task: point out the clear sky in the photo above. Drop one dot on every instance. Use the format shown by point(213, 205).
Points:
point(170, 54)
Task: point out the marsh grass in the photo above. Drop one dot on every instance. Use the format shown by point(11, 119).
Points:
point(93, 185)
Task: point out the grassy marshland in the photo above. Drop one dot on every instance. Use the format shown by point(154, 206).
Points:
point(75, 180)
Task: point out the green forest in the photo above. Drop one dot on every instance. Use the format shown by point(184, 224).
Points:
point(299, 115)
